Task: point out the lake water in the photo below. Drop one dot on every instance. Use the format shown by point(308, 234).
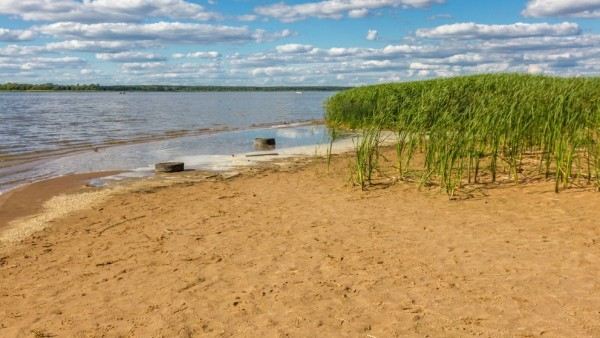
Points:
point(53, 134)
point(56, 121)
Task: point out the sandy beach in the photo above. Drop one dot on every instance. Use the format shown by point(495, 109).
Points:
point(295, 250)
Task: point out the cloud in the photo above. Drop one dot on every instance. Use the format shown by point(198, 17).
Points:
point(372, 35)
point(273, 71)
point(19, 50)
point(40, 63)
point(12, 35)
point(335, 9)
point(309, 54)
point(294, 48)
point(556, 58)
point(88, 71)
point(421, 50)
point(440, 16)
point(341, 51)
point(472, 30)
point(260, 35)
point(171, 32)
point(103, 10)
point(421, 58)
point(572, 8)
point(535, 69)
point(247, 17)
point(132, 41)
point(133, 67)
point(175, 73)
point(371, 64)
point(130, 57)
point(358, 13)
point(15, 50)
point(542, 43)
point(96, 46)
point(259, 60)
point(469, 59)
point(198, 55)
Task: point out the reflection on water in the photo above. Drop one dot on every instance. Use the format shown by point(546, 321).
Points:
point(208, 151)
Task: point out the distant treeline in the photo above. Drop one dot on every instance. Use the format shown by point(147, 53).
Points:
point(157, 88)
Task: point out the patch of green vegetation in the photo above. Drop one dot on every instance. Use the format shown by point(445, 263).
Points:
point(459, 124)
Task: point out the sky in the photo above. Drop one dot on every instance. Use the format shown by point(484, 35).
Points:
point(287, 42)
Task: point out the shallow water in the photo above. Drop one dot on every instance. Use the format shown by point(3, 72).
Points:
point(47, 122)
point(218, 151)
point(62, 121)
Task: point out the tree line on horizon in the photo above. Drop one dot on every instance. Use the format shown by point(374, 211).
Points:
point(157, 88)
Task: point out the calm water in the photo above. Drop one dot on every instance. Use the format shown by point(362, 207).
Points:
point(55, 121)
point(49, 123)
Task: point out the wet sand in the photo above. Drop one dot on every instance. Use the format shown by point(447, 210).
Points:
point(29, 199)
point(296, 250)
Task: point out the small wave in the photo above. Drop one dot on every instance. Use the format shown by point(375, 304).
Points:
point(21, 154)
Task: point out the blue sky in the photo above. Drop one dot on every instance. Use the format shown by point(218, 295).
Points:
point(329, 42)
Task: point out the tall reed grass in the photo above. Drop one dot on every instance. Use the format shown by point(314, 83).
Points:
point(367, 155)
point(474, 125)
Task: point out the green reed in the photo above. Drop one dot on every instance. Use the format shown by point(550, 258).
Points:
point(333, 136)
point(367, 155)
point(485, 125)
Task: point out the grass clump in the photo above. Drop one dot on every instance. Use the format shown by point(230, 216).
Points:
point(366, 147)
point(483, 124)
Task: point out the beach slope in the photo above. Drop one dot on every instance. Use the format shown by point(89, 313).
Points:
point(298, 251)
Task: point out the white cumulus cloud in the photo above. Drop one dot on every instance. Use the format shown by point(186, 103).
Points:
point(176, 32)
point(574, 8)
point(294, 48)
point(12, 35)
point(130, 57)
point(103, 10)
point(372, 35)
point(471, 30)
point(95, 46)
point(535, 69)
point(335, 9)
point(198, 55)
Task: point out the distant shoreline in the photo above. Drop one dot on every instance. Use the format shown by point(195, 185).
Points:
point(25, 87)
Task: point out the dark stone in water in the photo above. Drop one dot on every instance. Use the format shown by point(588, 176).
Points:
point(169, 167)
point(264, 143)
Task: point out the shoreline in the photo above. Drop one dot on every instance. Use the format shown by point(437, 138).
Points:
point(17, 168)
point(28, 199)
point(17, 204)
point(11, 160)
point(293, 248)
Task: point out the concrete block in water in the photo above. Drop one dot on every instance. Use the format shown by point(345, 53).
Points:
point(264, 143)
point(169, 167)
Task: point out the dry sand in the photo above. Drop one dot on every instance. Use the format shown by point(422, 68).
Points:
point(298, 251)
